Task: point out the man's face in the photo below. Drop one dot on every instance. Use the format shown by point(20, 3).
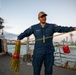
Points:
point(42, 19)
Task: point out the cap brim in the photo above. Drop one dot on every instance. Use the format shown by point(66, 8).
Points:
point(44, 15)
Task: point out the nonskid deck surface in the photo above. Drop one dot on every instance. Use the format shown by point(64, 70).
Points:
point(27, 69)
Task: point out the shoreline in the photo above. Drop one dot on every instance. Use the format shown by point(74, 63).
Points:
point(21, 44)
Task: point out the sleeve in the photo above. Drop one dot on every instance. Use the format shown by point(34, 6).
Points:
point(26, 33)
point(62, 29)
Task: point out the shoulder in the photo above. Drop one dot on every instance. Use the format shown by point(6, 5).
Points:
point(52, 24)
point(33, 26)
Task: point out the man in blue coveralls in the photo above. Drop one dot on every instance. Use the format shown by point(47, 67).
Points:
point(44, 49)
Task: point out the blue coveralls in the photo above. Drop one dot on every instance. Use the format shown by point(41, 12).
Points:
point(43, 49)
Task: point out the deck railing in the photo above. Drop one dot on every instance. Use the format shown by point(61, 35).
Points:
point(64, 60)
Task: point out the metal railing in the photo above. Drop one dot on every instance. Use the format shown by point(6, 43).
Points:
point(64, 60)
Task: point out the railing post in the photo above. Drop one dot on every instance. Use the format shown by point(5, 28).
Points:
point(60, 56)
point(27, 46)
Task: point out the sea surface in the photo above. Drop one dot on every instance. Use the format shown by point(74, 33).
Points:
point(23, 49)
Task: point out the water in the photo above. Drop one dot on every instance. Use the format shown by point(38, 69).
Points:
point(22, 50)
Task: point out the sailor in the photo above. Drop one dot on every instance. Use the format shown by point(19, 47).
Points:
point(43, 49)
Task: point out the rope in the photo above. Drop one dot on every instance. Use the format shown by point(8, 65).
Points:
point(53, 36)
point(15, 62)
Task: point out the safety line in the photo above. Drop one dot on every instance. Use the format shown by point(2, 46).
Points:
point(53, 36)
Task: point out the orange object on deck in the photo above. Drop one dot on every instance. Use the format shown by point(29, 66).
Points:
point(66, 49)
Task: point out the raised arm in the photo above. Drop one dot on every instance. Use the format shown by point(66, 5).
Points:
point(63, 29)
point(26, 33)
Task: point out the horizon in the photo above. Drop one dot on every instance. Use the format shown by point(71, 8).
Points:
point(59, 38)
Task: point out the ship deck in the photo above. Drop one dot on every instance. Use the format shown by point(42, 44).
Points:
point(28, 69)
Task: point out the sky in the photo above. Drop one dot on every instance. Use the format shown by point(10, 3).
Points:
point(18, 15)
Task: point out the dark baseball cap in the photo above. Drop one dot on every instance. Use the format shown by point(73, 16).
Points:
point(42, 14)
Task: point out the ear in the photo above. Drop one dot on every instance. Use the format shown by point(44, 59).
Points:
point(38, 18)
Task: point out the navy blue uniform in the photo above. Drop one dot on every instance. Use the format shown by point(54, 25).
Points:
point(43, 49)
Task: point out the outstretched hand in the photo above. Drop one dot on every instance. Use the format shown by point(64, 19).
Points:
point(75, 28)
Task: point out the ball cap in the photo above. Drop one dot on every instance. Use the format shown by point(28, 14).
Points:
point(41, 14)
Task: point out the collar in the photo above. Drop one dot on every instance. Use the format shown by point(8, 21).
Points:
point(46, 25)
